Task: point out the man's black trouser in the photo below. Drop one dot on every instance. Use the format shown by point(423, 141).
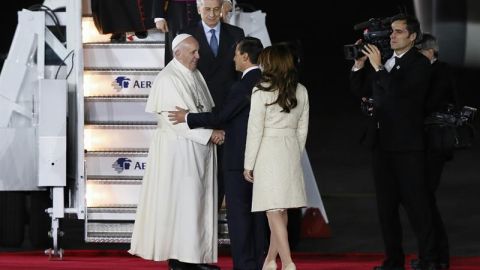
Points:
point(248, 230)
point(400, 180)
point(435, 162)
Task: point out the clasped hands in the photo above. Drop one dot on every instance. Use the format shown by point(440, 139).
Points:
point(218, 137)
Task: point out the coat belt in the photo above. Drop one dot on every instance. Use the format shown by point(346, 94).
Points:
point(279, 132)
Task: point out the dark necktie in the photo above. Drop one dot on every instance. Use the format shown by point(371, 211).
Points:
point(213, 42)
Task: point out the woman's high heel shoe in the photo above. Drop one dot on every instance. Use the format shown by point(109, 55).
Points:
point(271, 265)
point(290, 266)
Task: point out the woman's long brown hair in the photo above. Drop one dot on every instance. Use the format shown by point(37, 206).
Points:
point(279, 73)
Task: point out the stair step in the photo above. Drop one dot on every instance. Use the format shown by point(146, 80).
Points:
point(123, 55)
point(114, 240)
point(90, 33)
point(124, 137)
point(96, 154)
point(113, 193)
point(118, 110)
point(120, 233)
point(115, 178)
point(118, 82)
point(100, 165)
point(97, 232)
point(224, 241)
point(111, 213)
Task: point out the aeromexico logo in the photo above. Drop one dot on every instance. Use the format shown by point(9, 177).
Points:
point(124, 82)
point(125, 164)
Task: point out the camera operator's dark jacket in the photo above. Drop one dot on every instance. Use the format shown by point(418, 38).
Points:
point(399, 102)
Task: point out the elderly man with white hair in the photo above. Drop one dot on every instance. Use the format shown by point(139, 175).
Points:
point(176, 217)
point(217, 48)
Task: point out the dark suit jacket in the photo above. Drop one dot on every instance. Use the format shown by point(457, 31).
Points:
point(219, 72)
point(442, 88)
point(233, 117)
point(440, 139)
point(399, 101)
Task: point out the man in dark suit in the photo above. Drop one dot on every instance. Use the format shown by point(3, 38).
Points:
point(399, 90)
point(217, 67)
point(439, 138)
point(217, 49)
point(247, 230)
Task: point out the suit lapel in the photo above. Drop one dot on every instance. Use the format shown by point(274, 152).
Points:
point(204, 45)
point(224, 41)
point(405, 60)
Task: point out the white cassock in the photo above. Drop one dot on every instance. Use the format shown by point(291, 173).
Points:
point(177, 212)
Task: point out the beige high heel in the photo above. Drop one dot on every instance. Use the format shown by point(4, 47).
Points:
point(290, 266)
point(271, 265)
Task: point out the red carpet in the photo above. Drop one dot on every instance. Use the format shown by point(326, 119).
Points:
point(121, 260)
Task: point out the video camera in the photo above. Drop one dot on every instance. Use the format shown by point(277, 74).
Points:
point(376, 31)
point(458, 121)
point(452, 117)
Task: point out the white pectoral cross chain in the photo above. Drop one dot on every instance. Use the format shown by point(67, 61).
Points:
point(196, 97)
point(199, 106)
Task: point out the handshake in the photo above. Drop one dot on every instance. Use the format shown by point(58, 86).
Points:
point(178, 116)
point(218, 137)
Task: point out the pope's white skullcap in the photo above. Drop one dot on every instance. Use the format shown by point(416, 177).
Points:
point(178, 39)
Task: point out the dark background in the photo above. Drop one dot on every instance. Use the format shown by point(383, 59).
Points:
point(341, 165)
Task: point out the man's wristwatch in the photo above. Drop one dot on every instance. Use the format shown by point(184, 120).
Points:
point(381, 67)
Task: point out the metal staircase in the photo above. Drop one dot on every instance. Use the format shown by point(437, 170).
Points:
point(117, 131)
point(85, 97)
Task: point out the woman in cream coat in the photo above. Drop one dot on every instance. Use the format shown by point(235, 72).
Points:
point(277, 131)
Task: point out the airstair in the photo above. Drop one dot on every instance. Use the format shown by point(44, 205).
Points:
point(96, 101)
point(117, 131)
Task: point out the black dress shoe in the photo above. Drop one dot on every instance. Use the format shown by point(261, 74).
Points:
point(443, 266)
point(174, 264)
point(205, 266)
point(141, 34)
point(118, 37)
point(387, 268)
point(415, 264)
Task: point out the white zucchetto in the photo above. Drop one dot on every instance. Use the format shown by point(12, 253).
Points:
point(178, 39)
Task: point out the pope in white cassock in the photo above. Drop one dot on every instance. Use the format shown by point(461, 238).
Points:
point(176, 215)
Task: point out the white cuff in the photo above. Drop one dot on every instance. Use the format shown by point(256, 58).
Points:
point(158, 19)
point(355, 69)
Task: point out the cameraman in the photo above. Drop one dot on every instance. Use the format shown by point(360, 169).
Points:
point(399, 90)
point(439, 138)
